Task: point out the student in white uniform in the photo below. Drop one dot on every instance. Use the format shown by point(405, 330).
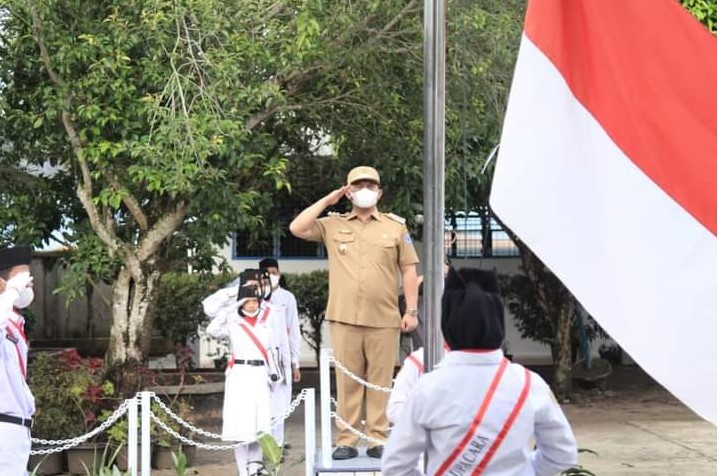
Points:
point(17, 405)
point(477, 413)
point(251, 371)
point(286, 305)
point(408, 375)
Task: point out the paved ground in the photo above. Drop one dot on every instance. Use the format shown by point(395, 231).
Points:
point(635, 433)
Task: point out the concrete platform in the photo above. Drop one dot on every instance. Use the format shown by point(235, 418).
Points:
point(361, 465)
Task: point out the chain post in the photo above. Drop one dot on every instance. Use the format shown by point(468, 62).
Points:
point(310, 431)
point(132, 436)
point(325, 389)
point(146, 447)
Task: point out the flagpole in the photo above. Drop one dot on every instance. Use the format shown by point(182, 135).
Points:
point(433, 233)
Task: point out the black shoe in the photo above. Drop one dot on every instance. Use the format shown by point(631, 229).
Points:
point(287, 446)
point(345, 452)
point(375, 452)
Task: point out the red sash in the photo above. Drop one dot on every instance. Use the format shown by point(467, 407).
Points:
point(254, 338)
point(20, 358)
point(473, 428)
point(415, 361)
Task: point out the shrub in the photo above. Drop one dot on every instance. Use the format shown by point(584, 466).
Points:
point(179, 304)
point(312, 292)
point(70, 393)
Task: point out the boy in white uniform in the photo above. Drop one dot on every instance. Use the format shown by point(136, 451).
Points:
point(477, 413)
point(17, 405)
point(286, 305)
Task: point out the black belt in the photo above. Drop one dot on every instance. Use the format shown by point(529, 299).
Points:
point(27, 422)
point(256, 363)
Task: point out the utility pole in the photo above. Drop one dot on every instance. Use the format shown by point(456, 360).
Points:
point(433, 235)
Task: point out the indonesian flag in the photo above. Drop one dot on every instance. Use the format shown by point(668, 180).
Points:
point(607, 171)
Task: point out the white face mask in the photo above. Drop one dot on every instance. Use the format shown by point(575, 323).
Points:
point(274, 280)
point(250, 314)
point(25, 298)
point(365, 198)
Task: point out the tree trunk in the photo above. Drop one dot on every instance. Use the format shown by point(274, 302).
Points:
point(562, 346)
point(558, 305)
point(133, 302)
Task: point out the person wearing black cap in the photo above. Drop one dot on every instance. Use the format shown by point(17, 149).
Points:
point(251, 371)
point(288, 324)
point(17, 405)
point(477, 413)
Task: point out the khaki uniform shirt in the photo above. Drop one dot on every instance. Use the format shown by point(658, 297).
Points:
point(364, 261)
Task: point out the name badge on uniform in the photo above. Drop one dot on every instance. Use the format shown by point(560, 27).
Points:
point(11, 338)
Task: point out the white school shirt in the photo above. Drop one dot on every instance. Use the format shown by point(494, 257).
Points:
point(404, 382)
point(439, 412)
point(246, 409)
point(286, 300)
point(15, 395)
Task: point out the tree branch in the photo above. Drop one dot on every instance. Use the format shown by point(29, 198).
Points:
point(133, 206)
point(98, 290)
point(161, 230)
point(84, 186)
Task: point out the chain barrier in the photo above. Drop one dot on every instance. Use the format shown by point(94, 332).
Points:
point(354, 430)
point(55, 446)
point(358, 433)
point(61, 445)
point(274, 422)
point(356, 378)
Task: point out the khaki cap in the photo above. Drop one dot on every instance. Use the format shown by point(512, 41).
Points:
point(363, 173)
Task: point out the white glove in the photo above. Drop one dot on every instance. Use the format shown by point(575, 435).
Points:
point(231, 293)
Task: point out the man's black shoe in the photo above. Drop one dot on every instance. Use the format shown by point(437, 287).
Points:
point(375, 452)
point(288, 446)
point(345, 452)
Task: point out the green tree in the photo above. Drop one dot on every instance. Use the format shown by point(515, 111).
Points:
point(169, 124)
point(312, 292)
point(704, 11)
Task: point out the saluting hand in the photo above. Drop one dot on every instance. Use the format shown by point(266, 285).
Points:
point(334, 197)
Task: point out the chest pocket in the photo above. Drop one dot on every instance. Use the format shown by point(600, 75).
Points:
point(384, 249)
point(344, 242)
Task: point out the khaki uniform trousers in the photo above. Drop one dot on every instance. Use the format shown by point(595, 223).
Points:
point(370, 353)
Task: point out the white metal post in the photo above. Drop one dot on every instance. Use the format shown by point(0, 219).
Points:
point(146, 443)
point(310, 431)
point(325, 390)
point(132, 436)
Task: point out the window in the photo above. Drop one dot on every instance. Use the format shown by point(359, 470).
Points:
point(476, 234)
point(281, 244)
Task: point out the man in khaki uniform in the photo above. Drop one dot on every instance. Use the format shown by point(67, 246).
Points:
point(367, 250)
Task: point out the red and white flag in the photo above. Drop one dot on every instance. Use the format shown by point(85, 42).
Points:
point(607, 171)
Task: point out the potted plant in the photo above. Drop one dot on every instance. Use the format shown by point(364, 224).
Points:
point(58, 382)
point(164, 443)
point(70, 392)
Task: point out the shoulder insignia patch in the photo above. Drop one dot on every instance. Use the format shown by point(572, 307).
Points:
point(396, 218)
